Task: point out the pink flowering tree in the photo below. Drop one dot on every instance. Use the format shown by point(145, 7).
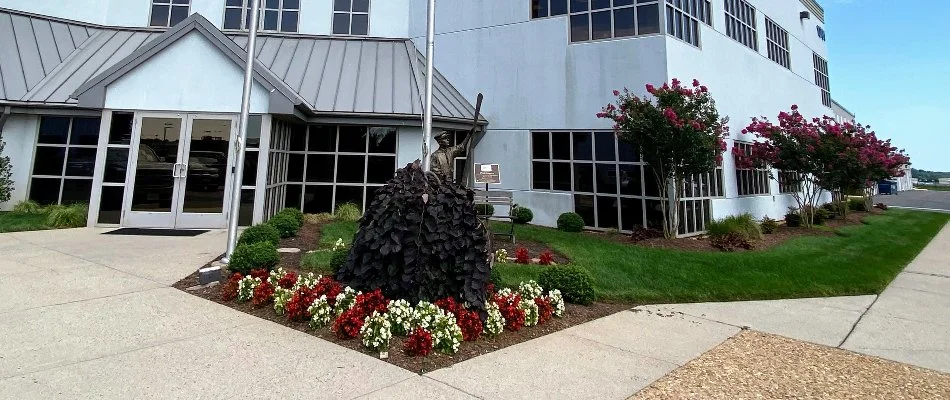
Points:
point(679, 133)
point(795, 147)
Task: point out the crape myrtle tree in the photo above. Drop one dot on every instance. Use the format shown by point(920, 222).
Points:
point(679, 133)
point(795, 147)
point(6, 173)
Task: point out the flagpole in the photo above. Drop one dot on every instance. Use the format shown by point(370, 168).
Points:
point(427, 119)
point(238, 169)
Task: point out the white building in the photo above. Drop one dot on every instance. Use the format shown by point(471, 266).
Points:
point(337, 100)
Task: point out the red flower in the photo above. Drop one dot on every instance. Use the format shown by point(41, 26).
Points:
point(366, 303)
point(695, 83)
point(546, 258)
point(521, 256)
point(545, 309)
point(329, 287)
point(470, 324)
point(263, 294)
point(508, 306)
point(261, 274)
point(230, 289)
point(703, 89)
point(299, 303)
point(348, 324)
point(651, 89)
point(676, 82)
point(449, 304)
point(288, 280)
point(616, 93)
point(419, 343)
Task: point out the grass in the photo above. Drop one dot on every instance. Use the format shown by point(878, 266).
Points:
point(860, 259)
point(939, 188)
point(319, 260)
point(12, 222)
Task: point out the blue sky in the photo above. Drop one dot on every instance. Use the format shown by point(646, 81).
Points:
point(889, 63)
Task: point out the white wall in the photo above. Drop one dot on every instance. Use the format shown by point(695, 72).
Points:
point(19, 133)
point(189, 75)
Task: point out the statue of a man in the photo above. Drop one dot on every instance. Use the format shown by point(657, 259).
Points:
point(442, 161)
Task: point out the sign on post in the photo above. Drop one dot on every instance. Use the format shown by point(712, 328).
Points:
point(487, 173)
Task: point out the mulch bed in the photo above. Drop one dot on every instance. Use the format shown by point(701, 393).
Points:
point(308, 238)
point(781, 235)
point(534, 249)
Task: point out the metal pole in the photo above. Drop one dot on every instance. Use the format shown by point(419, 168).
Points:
point(427, 121)
point(239, 145)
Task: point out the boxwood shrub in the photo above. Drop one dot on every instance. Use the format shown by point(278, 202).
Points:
point(249, 256)
point(485, 209)
point(857, 205)
point(338, 259)
point(570, 222)
point(793, 219)
point(285, 224)
point(575, 283)
point(293, 212)
point(260, 233)
point(522, 215)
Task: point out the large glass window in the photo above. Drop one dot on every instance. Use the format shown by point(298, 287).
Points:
point(322, 166)
point(167, 13)
point(611, 186)
point(351, 17)
point(65, 160)
point(275, 15)
point(789, 182)
point(740, 23)
point(750, 181)
point(778, 43)
point(821, 79)
point(605, 19)
point(683, 18)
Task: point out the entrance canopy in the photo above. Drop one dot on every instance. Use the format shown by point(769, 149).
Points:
point(48, 62)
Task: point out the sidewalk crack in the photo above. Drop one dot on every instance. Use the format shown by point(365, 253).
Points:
point(855, 326)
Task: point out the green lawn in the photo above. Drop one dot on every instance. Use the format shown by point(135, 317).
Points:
point(10, 222)
point(319, 260)
point(939, 188)
point(861, 259)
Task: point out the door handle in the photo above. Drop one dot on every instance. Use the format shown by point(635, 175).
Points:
point(174, 170)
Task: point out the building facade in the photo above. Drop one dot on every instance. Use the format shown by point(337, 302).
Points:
point(131, 105)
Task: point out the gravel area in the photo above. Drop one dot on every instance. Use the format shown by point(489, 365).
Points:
point(754, 365)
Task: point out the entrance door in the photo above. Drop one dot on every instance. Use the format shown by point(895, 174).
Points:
point(182, 171)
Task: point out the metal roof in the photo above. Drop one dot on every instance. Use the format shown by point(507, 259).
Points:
point(51, 62)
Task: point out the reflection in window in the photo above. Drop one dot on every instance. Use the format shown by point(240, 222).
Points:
point(821, 78)
point(740, 23)
point(167, 13)
point(750, 181)
point(684, 16)
point(64, 160)
point(777, 39)
point(599, 19)
point(275, 15)
point(351, 17)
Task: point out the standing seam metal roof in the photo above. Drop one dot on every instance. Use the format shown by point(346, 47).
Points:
point(44, 61)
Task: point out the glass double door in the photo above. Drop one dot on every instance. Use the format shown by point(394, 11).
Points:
point(181, 171)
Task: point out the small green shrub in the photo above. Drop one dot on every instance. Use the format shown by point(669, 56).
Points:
point(768, 225)
point(821, 215)
point(320, 218)
point(793, 219)
point(495, 277)
point(249, 256)
point(260, 233)
point(484, 210)
point(28, 207)
point(293, 212)
point(834, 209)
point(521, 215)
point(338, 258)
point(71, 216)
point(743, 224)
point(348, 212)
point(285, 224)
point(570, 222)
point(857, 205)
point(575, 283)
point(731, 242)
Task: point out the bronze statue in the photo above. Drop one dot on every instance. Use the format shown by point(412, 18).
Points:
point(442, 161)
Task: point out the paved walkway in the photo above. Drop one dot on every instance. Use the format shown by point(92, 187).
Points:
point(86, 315)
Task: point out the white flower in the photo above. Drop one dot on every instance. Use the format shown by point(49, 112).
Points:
point(495, 323)
point(531, 314)
point(345, 300)
point(446, 334)
point(505, 292)
point(530, 290)
point(557, 302)
point(501, 256)
point(309, 281)
point(281, 297)
point(376, 332)
point(424, 315)
point(275, 276)
point(246, 287)
point(339, 245)
point(321, 313)
point(400, 315)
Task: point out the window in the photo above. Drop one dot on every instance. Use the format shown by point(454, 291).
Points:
point(350, 17)
point(778, 43)
point(548, 8)
point(319, 167)
point(740, 23)
point(276, 15)
point(64, 161)
point(789, 182)
point(821, 33)
point(683, 18)
point(167, 13)
point(605, 19)
point(751, 181)
point(821, 79)
point(611, 185)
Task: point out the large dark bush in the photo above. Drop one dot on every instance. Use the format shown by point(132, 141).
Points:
point(793, 219)
point(420, 239)
point(260, 233)
point(575, 283)
point(260, 255)
point(521, 215)
point(570, 222)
